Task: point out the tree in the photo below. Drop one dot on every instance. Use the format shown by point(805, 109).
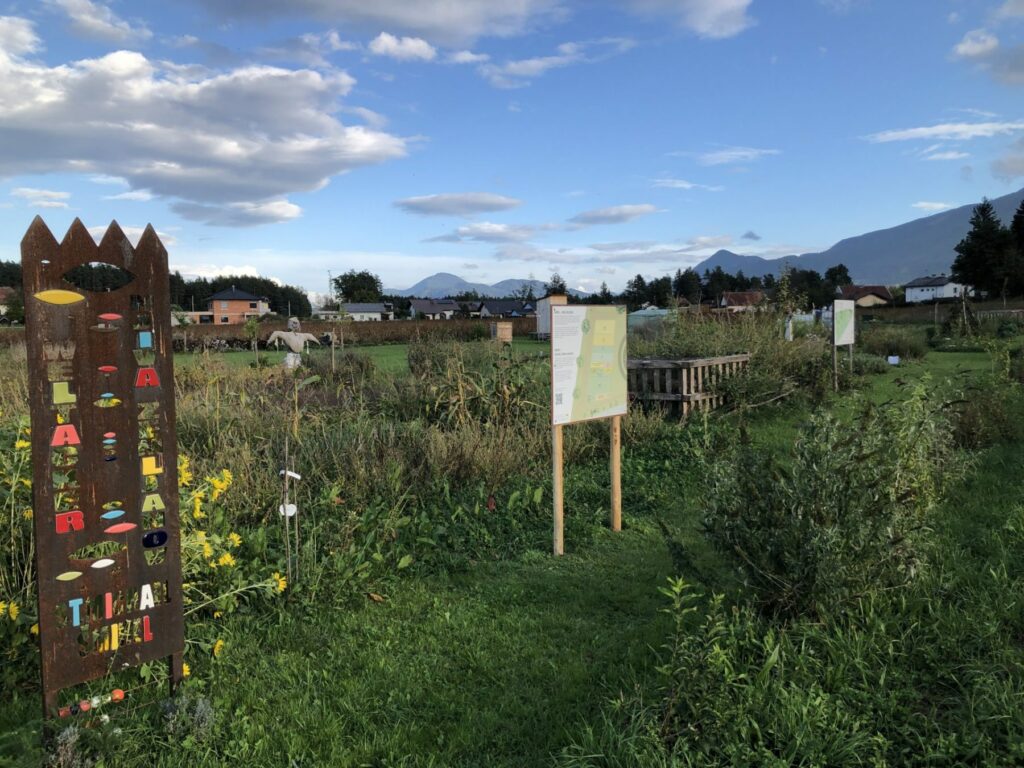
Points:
point(359, 287)
point(984, 258)
point(686, 285)
point(15, 308)
point(604, 296)
point(556, 285)
point(1017, 235)
point(659, 292)
point(838, 276)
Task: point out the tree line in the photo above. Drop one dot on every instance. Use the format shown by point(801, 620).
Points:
point(991, 257)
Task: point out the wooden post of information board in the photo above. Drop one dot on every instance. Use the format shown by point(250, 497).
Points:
point(557, 488)
point(615, 465)
point(835, 366)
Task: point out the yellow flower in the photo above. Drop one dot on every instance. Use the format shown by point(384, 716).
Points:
point(184, 472)
point(201, 535)
point(218, 647)
point(27, 514)
point(227, 476)
point(13, 610)
point(235, 539)
point(282, 582)
point(207, 550)
point(226, 560)
point(35, 629)
point(21, 445)
point(197, 507)
point(60, 418)
point(3, 607)
point(186, 670)
point(217, 614)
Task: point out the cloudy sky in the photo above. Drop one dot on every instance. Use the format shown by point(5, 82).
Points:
point(502, 139)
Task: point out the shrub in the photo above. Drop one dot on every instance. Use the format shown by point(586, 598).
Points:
point(845, 513)
point(884, 341)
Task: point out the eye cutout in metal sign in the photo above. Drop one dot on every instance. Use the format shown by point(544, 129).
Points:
point(105, 483)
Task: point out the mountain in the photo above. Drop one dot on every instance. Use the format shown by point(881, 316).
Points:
point(887, 256)
point(446, 284)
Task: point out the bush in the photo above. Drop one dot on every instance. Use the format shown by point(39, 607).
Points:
point(843, 515)
point(884, 341)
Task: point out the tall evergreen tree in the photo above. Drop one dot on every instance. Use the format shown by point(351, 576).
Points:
point(556, 285)
point(984, 257)
point(1017, 235)
point(686, 285)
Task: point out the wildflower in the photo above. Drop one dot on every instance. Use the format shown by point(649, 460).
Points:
point(60, 418)
point(217, 614)
point(201, 535)
point(20, 445)
point(186, 670)
point(218, 647)
point(184, 472)
point(207, 550)
point(281, 582)
point(227, 560)
point(197, 507)
point(235, 539)
point(27, 514)
point(3, 607)
point(13, 610)
point(34, 629)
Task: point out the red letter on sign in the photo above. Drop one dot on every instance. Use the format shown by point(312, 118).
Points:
point(146, 377)
point(65, 435)
point(147, 633)
point(70, 521)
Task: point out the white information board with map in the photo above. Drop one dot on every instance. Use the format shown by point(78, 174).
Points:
point(588, 363)
point(843, 322)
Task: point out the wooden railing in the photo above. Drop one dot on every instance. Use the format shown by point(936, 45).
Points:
point(688, 385)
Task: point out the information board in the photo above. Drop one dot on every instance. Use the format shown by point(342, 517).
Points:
point(588, 363)
point(843, 322)
point(104, 459)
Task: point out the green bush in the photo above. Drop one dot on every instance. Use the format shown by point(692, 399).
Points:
point(883, 341)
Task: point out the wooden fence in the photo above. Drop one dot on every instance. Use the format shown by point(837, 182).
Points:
point(692, 384)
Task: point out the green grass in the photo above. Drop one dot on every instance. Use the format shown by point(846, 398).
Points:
point(500, 665)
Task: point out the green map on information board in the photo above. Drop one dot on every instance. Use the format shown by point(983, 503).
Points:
point(588, 363)
point(843, 322)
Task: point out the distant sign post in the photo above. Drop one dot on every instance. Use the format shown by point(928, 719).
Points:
point(588, 381)
point(844, 333)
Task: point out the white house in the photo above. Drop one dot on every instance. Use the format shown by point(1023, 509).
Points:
point(366, 313)
point(932, 288)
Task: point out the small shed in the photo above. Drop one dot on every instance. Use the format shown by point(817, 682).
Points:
point(502, 332)
point(544, 313)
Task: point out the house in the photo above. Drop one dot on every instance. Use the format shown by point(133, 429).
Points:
point(470, 309)
point(368, 312)
point(544, 313)
point(506, 308)
point(866, 295)
point(228, 307)
point(741, 301)
point(433, 309)
point(933, 288)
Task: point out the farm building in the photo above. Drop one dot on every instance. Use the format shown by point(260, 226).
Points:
point(741, 301)
point(932, 288)
point(867, 295)
point(544, 313)
point(433, 309)
point(368, 312)
point(648, 316)
point(506, 308)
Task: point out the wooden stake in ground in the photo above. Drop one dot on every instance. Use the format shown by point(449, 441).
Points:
point(615, 465)
point(557, 488)
point(835, 368)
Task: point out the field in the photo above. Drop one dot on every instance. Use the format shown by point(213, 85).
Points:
point(426, 629)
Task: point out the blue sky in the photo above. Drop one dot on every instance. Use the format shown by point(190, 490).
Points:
point(497, 140)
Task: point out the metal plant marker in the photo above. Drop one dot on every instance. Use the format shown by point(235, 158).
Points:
point(104, 460)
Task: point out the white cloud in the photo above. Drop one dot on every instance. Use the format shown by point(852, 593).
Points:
point(616, 214)
point(468, 57)
point(518, 72)
point(683, 184)
point(311, 49)
point(17, 37)
point(931, 207)
point(687, 253)
point(457, 203)
point(440, 21)
point(1011, 9)
point(239, 214)
point(947, 155)
point(977, 43)
point(136, 194)
point(96, 20)
point(732, 155)
point(241, 139)
point(210, 271)
point(402, 48)
point(713, 19)
point(133, 234)
point(487, 232)
point(100, 178)
point(948, 132)
point(41, 198)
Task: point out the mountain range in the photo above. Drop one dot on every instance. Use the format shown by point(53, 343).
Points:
point(887, 256)
point(890, 256)
point(446, 284)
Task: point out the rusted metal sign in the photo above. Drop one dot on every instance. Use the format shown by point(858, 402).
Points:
point(104, 458)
